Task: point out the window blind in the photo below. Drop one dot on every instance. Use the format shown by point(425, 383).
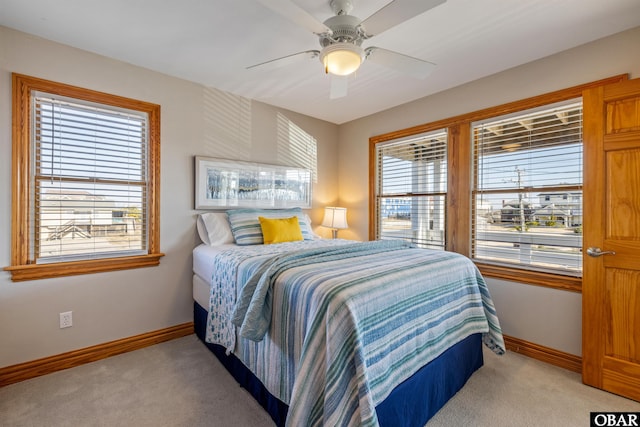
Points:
point(411, 189)
point(527, 192)
point(90, 180)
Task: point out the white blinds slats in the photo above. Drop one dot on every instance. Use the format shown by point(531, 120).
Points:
point(411, 177)
point(94, 143)
point(90, 180)
point(527, 195)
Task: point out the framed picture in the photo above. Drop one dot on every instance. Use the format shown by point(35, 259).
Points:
point(224, 184)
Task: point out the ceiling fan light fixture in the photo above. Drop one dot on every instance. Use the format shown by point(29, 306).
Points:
point(341, 59)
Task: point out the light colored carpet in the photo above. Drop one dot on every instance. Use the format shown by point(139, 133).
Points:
point(180, 383)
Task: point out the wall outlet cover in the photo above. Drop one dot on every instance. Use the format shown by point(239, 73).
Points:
point(66, 319)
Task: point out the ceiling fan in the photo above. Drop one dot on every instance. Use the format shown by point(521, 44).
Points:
point(341, 38)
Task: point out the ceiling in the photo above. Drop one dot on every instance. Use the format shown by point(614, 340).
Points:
point(213, 41)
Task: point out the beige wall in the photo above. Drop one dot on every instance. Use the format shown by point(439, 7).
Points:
point(543, 316)
point(110, 306)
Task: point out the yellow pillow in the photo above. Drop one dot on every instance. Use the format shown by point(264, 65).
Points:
point(278, 230)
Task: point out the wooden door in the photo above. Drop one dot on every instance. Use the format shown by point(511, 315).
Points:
point(611, 282)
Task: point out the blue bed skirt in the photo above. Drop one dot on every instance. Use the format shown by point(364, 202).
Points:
point(411, 404)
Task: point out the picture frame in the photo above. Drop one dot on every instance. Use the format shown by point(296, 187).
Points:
point(224, 184)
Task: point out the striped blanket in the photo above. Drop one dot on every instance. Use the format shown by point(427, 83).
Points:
point(331, 331)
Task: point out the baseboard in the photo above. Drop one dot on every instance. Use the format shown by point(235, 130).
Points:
point(544, 354)
point(24, 371)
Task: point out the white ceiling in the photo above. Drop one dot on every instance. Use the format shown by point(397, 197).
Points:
point(212, 42)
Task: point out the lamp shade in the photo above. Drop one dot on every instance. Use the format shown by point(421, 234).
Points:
point(335, 218)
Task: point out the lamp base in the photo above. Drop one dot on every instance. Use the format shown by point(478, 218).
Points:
point(334, 233)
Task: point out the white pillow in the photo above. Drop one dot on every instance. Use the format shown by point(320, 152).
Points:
point(313, 233)
point(214, 229)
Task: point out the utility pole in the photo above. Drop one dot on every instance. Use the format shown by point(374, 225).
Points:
point(521, 199)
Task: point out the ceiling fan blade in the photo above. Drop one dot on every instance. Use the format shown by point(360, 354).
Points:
point(339, 86)
point(395, 13)
point(296, 14)
point(284, 61)
point(407, 64)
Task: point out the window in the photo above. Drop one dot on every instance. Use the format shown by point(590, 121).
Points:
point(515, 160)
point(411, 189)
point(86, 175)
point(527, 192)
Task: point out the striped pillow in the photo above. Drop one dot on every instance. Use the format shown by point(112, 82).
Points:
point(246, 229)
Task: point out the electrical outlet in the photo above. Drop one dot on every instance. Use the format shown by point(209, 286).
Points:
point(66, 319)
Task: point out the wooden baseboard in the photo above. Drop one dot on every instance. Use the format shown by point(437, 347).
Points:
point(24, 371)
point(544, 354)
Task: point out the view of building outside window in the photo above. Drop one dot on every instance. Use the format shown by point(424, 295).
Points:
point(528, 190)
point(90, 180)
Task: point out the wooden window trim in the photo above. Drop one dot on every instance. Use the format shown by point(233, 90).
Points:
point(459, 184)
point(21, 267)
point(531, 277)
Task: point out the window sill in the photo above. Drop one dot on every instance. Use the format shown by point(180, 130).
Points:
point(45, 271)
point(555, 281)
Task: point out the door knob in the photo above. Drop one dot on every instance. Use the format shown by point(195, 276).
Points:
point(596, 252)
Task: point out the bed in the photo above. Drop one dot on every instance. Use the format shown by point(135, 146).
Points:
point(335, 332)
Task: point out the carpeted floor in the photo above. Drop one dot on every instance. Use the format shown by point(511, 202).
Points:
point(179, 383)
